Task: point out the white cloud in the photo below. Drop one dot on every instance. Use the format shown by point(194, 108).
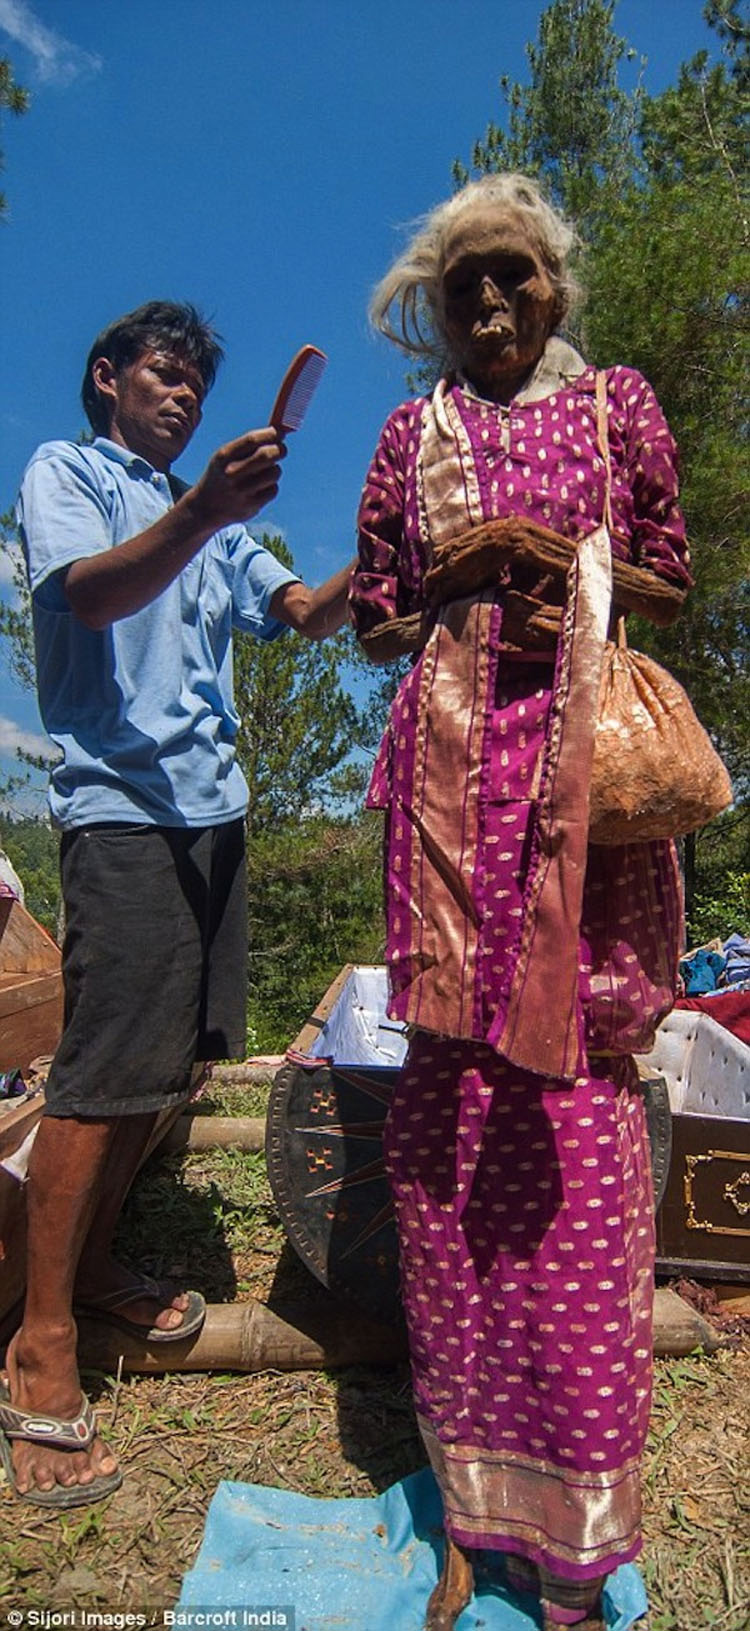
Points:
point(12, 736)
point(10, 560)
point(58, 61)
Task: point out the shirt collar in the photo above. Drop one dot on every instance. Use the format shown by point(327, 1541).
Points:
point(123, 455)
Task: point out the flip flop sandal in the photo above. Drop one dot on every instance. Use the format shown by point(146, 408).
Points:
point(41, 1428)
point(108, 1309)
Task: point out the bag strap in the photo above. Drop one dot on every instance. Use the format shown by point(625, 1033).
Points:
point(602, 432)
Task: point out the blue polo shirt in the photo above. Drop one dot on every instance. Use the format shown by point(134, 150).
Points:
point(143, 712)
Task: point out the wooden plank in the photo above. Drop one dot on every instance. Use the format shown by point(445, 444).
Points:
point(312, 1027)
point(32, 1029)
point(25, 947)
point(27, 990)
point(31, 994)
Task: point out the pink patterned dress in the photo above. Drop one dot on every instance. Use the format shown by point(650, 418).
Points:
point(516, 1144)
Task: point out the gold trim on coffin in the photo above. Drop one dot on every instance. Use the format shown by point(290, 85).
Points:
point(694, 1161)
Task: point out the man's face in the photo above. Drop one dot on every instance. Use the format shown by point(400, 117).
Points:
point(156, 404)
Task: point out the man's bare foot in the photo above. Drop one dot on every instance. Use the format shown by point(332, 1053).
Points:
point(47, 1382)
point(453, 1590)
point(105, 1286)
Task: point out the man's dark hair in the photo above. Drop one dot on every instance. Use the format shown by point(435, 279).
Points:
point(160, 325)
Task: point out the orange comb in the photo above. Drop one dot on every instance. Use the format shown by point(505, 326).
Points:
point(297, 387)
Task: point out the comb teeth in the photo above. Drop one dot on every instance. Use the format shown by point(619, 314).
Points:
point(297, 388)
point(302, 392)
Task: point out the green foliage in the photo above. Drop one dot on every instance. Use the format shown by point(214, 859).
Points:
point(17, 633)
point(15, 613)
point(13, 99)
point(721, 888)
point(298, 723)
point(571, 124)
point(726, 912)
point(315, 904)
point(313, 870)
point(32, 846)
point(297, 726)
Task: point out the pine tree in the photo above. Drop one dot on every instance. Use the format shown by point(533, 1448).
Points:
point(13, 99)
point(572, 125)
point(298, 722)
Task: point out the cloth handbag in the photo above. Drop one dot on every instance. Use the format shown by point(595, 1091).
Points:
point(656, 773)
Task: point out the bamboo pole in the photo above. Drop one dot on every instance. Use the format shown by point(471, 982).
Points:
point(247, 1073)
point(196, 1132)
point(252, 1337)
point(678, 1328)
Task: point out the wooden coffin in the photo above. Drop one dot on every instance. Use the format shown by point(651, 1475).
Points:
point(703, 1223)
point(324, 1149)
point(17, 1120)
point(31, 999)
point(31, 1005)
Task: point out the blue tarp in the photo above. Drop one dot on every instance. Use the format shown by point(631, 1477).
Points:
point(350, 1565)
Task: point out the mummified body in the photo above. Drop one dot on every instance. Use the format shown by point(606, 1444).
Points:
point(530, 965)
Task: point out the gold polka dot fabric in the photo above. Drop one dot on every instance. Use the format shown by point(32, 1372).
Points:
point(526, 1238)
point(523, 1200)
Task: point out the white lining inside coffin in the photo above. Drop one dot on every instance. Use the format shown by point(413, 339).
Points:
point(706, 1068)
point(357, 1031)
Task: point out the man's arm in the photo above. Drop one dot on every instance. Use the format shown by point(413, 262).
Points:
point(239, 480)
point(314, 612)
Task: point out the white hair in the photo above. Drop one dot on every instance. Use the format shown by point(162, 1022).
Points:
point(407, 304)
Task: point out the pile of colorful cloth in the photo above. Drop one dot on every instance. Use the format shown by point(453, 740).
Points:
point(12, 1084)
point(716, 978)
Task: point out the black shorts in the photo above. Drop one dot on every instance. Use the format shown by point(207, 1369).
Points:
point(154, 964)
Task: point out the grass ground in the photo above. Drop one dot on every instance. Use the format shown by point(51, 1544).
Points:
point(211, 1218)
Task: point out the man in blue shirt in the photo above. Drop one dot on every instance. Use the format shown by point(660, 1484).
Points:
point(137, 584)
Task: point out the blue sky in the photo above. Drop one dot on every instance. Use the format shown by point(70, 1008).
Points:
point(258, 159)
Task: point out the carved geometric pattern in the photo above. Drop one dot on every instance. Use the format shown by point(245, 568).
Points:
point(325, 1164)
